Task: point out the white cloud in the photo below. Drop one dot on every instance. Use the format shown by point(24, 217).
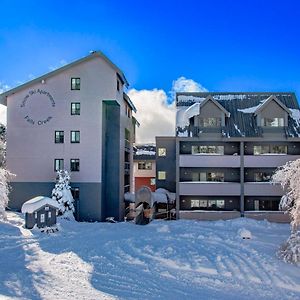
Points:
point(183, 84)
point(156, 117)
point(155, 112)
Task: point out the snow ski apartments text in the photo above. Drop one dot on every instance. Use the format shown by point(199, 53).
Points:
point(77, 118)
point(226, 148)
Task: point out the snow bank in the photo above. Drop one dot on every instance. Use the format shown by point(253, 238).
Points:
point(35, 203)
point(145, 152)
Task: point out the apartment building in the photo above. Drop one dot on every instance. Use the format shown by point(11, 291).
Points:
point(77, 118)
point(144, 166)
point(226, 148)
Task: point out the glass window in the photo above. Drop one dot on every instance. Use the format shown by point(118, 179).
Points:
point(75, 192)
point(203, 204)
point(143, 165)
point(152, 181)
point(49, 214)
point(58, 164)
point(162, 175)
point(118, 85)
point(208, 150)
point(75, 136)
point(162, 151)
point(74, 165)
point(59, 137)
point(42, 218)
point(75, 83)
point(262, 177)
point(272, 122)
point(270, 149)
point(75, 108)
point(195, 176)
point(215, 176)
point(209, 122)
point(195, 203)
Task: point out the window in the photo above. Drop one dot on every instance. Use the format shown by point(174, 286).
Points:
point(75, 193)
point(75, 108)
point(272, 122)
point(262, 177)
point(208, 176)
point(59, 137)
point(270, 149)
point(58, 164)
point(162, 175)
point(118, 85)
point(74, 165)
point(270, 205)
point(152, 181)
point(75, 83)
point(208, 150)
point(42, 218)
point(209, 122)
point(162, 151)
point(216, 204)
point(143, 165)
point(195, 203)
point(75, 136)
point(49, 214)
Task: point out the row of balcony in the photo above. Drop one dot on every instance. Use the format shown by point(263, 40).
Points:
point(234, 161)
point(229, 189)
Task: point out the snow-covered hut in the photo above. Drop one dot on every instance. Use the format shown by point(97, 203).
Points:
point(40, 211)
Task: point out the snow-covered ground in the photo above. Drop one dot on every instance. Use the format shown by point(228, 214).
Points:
point(163, 260)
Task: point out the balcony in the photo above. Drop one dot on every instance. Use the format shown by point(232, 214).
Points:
point(127, 168)
point(268, 160)
point(209, 161)
point(196, 131)
point(262, 189)
point(127, 146)
point(205, 188)
point(127, 188)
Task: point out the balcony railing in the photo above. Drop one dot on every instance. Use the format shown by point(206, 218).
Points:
point(268, 160)
point(205, 188)
point(262, 189)
point(196, 131)
point(209, 161)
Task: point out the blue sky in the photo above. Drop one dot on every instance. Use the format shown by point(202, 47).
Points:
point(224, 45)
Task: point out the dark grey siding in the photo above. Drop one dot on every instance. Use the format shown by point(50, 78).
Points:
point(111, 203)
point(166, 163)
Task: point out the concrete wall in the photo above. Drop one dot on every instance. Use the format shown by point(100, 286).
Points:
point(206, 161)
point(144, 173)
point(209, 215)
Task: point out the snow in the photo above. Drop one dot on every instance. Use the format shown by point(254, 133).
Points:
point(295, 115)
point(249, 110)
point(183, 115)
point(35, 203)
point(244, 233)
point(145, 152)
point(184, 98)
point(164, 260)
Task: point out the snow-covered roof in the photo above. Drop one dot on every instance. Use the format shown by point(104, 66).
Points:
point(35, 203)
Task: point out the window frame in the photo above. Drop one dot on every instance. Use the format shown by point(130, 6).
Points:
point(144, 164)
point(76, 109)
point(58, 141)
point(160, 174)
point(63, 163)
point(162, 152)
point(75, 141)
point(72, 164)
point(76, 84)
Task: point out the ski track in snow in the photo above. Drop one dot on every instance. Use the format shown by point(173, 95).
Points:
point(163, 260)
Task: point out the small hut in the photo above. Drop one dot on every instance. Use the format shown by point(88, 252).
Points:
point(40, 211)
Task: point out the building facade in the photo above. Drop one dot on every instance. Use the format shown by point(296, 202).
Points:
point(144, 167)
point(76, 118)
point(226, 148)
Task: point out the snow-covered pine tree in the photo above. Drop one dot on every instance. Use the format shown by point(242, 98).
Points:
point(62, 194)
point(4, 190)
point(289, 178)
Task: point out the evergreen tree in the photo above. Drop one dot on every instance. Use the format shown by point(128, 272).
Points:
point(62, 194)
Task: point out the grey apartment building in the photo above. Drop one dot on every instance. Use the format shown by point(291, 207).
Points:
point(76, 118)
point(226, 148)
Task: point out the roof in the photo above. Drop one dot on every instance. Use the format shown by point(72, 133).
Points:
point(36, 203)
point(144, 152)
point(243, 106)
point(93, 54)
point(129, 102)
